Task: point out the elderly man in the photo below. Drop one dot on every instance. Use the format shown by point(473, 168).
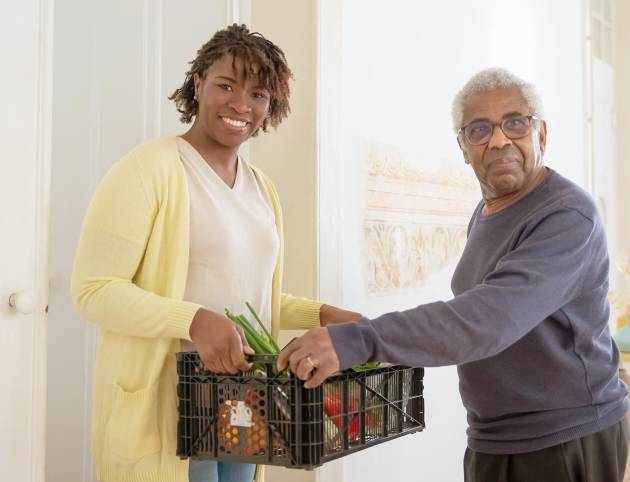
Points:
point(528, 325)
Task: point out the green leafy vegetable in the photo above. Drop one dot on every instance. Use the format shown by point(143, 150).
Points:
point(264, 344)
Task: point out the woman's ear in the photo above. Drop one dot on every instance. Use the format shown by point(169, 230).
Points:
point(197, 82)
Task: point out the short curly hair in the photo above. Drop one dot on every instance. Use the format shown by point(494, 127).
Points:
point(492, 79)
point(237, 41)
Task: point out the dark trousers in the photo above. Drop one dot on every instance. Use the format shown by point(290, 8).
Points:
point(599, 457)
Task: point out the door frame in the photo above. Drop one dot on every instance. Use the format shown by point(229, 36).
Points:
point(42, 216)
point(30, 25)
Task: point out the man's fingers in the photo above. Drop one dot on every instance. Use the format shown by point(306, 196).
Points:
point(296, 357)
point(305, 368)
point(319, 376)
point(312, 357)
point(282, 361)
point(287, 351)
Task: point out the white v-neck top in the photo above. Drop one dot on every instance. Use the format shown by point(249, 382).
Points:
point(233, 239)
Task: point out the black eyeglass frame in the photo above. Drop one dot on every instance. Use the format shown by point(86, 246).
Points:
point(461, 134)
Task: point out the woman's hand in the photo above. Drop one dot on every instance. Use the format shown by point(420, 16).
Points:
point(220, 342)
point(329, 315)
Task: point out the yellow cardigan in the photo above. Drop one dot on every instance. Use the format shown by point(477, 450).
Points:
point(129, 278)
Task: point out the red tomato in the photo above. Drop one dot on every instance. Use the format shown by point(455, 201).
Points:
point(332, 408)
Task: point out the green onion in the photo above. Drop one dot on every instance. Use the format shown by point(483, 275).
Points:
point(264, 344)
point(269, 337)
point(259, 343)
point(261, 340)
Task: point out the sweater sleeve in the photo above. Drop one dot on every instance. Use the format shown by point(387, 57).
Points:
point(298, 313)
point(113, 240)
point(539, 276)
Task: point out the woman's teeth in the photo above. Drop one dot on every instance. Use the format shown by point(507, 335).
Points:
point(234, 122)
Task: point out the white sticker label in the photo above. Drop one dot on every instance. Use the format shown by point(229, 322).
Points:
point(241, 415)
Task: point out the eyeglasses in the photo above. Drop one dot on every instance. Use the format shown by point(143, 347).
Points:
point(480, 132)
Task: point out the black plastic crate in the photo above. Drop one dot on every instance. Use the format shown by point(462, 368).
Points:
point(274, 420)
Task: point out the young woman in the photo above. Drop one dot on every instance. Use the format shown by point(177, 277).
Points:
point(178, 230)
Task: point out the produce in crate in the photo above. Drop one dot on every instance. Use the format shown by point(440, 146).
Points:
point(263, 344)
point(269, 417)
point(250, 434)
point(239, 429)
point(333, 409)
point(213, 408)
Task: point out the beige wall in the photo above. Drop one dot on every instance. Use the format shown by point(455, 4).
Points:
point(289, 154)
point(622, 93)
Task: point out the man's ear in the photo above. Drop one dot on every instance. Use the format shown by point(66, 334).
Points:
point(461, 146)
point(542, 136)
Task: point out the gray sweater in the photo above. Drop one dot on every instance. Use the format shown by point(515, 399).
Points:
point(527, 327)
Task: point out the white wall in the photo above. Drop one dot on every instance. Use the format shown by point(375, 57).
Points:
point(400, 65)
point(410, 59)
point(622, 110)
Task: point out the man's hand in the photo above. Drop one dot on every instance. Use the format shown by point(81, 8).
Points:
point(220, 342)
point(312, 357)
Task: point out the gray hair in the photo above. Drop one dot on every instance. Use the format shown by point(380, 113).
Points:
point(492, 79)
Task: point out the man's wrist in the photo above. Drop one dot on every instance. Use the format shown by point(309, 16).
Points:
point(352, 343)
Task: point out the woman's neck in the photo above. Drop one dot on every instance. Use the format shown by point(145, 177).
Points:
point(217, 156)
point(222, 159)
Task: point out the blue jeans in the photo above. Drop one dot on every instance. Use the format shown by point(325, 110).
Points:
point(213, 471)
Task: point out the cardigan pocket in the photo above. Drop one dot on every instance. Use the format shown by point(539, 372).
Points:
point(133, 430)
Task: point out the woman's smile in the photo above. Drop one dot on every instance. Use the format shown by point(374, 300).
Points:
point(236, 124)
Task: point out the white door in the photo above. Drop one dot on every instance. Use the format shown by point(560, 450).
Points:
point(25, 34)
point(115, 63)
